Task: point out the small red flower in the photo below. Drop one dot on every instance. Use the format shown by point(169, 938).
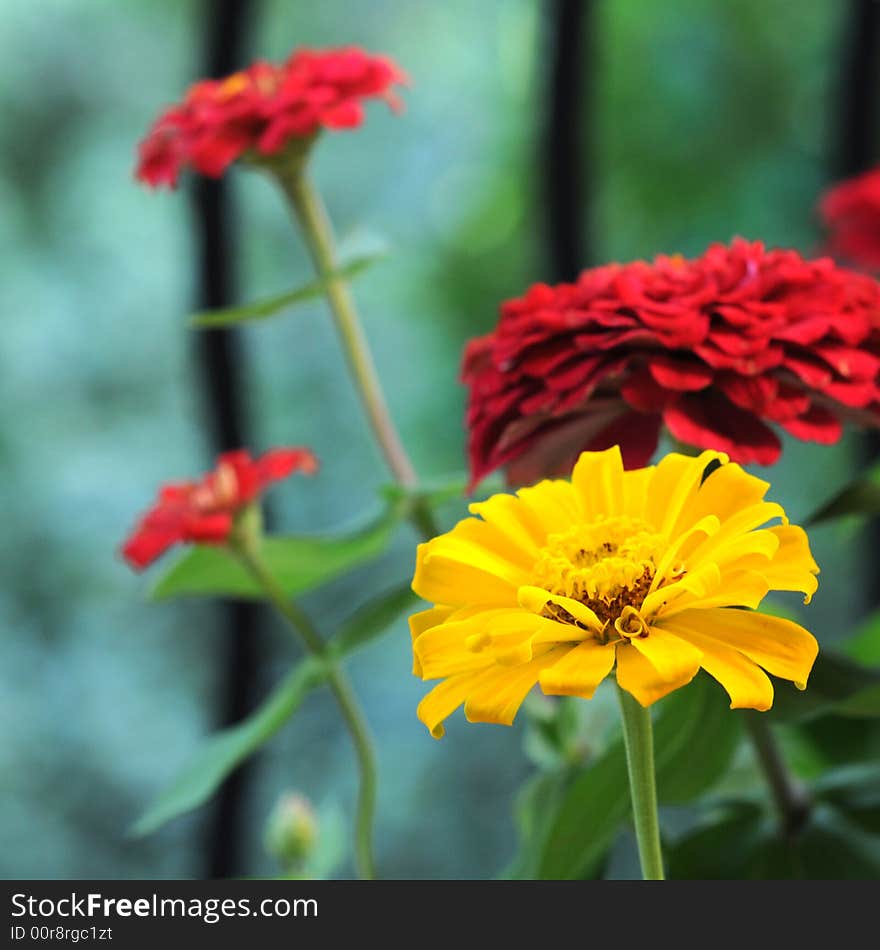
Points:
point(851, 212)
point(203, 512)
point(262, 108)
point(714, 348)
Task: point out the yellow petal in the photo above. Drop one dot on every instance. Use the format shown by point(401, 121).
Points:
point(672, 657)
point(698, 583)
point(454, 647)
point(792, 566)
point(579, 671)
point(497, 698)
point(536, 599)
point(422, 621)
point(705, 527)
point(446, 697)
point(489, 538)
point(755, 544)
point(725, 492)
point(782, 647)
point(635, 491)
point(598, 480)
point(746, 683)
point(735, 589)
point(554, 503)
point(447, 576)
point(510, 516)
point(674, 485)
point(740, 524)
point(639, 678)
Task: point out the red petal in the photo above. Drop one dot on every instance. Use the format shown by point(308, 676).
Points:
point(818, 425)
point(683, 375)
point(710, 421)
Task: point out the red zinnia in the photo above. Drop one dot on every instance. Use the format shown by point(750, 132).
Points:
point(262, 108)
point(714, 347)
point(203, 512)
point(851, 212)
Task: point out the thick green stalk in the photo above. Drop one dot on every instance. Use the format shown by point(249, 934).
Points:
point(639, 740)
point(318, 234)
point(790, 797)
point(352, 714)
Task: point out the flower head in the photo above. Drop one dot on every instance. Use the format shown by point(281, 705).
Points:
point(715, 348)
point(656, 572)
point(262, 109)
point(851, 212)
point(203, 512)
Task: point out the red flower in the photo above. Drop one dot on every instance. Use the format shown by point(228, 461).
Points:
point(262, 108)
point(715, 348)
point(203, 512)
point(851, 212)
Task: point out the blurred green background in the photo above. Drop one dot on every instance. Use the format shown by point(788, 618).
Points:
point(706, 121)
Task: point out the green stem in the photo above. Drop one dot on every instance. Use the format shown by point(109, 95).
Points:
point(639, 740)
point(352, 714)
point(790, 797)
point(318, 233)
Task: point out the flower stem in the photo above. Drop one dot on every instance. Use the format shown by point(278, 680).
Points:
point(790, 797)
point(318, 233)
point(352, 714)
point(639, 740)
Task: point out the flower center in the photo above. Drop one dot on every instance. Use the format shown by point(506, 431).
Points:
point(607, 565)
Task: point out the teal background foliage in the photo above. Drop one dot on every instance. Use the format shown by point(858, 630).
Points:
point(710, 120)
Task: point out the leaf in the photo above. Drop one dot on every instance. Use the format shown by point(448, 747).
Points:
point(263, 309)
point(855, 791)
point(864, 644)
point(860, 497)
point(587, 818)
point(299, 564)
point(370, 620)
point(720, 847)
point(536, 804)
point(837, 684)
point(694, 738)
point(226, 750)
point(741, 841)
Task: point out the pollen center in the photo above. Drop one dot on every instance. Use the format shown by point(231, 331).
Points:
point(607, 565)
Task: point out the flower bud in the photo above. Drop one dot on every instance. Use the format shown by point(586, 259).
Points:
point(291, 831)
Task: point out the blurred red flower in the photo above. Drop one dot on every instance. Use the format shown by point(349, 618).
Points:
point(261, 109)
point(714, 348)
point(851, 212)
point(203, 512)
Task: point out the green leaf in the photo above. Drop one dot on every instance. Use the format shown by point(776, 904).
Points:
point(695, 735)
point(263, 309)
point(299, 564)
point(226, 750)
point(587, 818)
point(741, 841)
point(721, 846)
point(837, 684)
point(855, 791)
point(536, 804)
point(861, 497)
point(864, 644)
point(370, 620)
point(694, 740)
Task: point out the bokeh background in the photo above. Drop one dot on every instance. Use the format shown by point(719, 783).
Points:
point(686, 123)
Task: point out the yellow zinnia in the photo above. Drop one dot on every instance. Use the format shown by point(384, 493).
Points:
point(642, 570)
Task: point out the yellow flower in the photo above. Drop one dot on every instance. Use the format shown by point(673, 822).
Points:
point(642, 569)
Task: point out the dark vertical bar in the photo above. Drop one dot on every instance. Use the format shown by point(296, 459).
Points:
point(221, 362)
point(858, 98)
point(856, 125)
point(565, 164)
